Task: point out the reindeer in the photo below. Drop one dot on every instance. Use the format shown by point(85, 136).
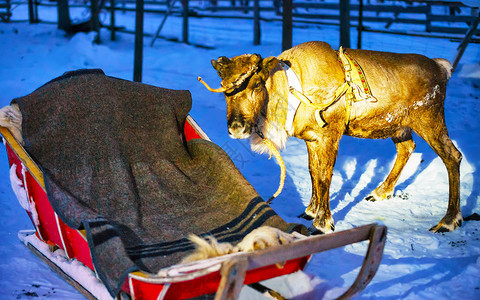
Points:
point(402, 93)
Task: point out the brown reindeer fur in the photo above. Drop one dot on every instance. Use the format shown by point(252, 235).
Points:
point(410, 89)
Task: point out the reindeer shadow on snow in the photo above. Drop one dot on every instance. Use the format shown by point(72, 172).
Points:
point(410, 280)
point(414, 282)
point(352, 163)
point(363, 153)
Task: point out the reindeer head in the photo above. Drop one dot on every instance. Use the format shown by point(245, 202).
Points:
point(243, 83)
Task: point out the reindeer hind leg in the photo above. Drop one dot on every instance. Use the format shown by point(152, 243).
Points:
point(435, 133)
point(405, 147)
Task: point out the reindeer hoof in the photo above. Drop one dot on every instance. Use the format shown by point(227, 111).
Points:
point(445, 227)
point(439, 229)
point(379, 195)
point(375, 197)
point(316, 231)
point(305, 216)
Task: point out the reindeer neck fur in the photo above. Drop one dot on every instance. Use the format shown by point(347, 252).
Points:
point(271, 123)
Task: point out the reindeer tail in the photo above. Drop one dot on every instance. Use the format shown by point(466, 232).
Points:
point(446, 66)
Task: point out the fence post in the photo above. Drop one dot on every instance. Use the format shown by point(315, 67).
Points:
point(31, 13)
point(138, 52)
point(112, 20)
point(63, 15)
point(463, 45)
point(360, 24)
point(428, 22)
point(185, 21)
point(94, 13)
point(287, 25)
point(35, 6)
point(256, 22)
point(345, 23)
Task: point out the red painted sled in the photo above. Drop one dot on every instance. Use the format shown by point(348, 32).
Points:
point(223, 275)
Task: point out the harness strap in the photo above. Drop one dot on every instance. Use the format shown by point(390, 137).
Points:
point(357, 88)
point(318, 108)
point(296, 96)
point(354, 89)
point(293, 102)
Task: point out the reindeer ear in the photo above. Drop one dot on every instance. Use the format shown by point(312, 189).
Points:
point(221, 65)
point(255, 59)
point(268, 64)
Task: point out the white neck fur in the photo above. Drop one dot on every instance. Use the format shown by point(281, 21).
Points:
point(278, 133)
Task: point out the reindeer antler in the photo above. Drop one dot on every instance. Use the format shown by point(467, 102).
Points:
point(231, 85)
point(219, 90)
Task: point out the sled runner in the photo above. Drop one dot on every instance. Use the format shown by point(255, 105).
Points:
point(84, 244)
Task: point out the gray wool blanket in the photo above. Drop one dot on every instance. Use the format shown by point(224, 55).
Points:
point(116, 163)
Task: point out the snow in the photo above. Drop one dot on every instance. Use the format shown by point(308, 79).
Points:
point(417, 264)
point(72, 267)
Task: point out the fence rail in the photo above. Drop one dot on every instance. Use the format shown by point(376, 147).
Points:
point(413, 12)
point(426, 17)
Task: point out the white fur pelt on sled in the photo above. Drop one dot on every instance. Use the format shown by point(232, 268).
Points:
point(11, 118)
point(260, 238)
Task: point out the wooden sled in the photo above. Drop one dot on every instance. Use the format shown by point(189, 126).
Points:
point(223, 275)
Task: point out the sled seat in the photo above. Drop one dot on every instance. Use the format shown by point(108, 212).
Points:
point(223, 275)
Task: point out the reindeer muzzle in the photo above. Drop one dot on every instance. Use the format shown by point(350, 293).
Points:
point(239, 129)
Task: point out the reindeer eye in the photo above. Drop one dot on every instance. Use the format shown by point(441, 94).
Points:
point(257, 85)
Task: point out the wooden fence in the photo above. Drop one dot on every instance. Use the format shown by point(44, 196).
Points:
point(5, 12)
point(426, 17)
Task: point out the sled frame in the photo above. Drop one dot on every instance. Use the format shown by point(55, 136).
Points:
point(233, 270)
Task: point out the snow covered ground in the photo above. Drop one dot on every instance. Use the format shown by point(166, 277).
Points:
point(416, 264)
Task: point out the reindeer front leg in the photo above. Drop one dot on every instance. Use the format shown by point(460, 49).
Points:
point(322, 154)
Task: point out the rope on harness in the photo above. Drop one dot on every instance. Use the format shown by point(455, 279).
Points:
point(283, 171)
